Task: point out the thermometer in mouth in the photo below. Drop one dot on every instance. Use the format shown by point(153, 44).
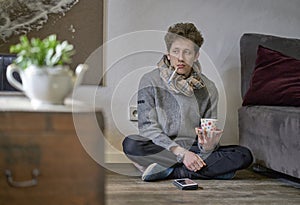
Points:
point(170, 79)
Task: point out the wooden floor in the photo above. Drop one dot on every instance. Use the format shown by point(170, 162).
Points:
point(247, 187)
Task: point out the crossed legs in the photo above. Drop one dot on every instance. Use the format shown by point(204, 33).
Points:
point(224, 160)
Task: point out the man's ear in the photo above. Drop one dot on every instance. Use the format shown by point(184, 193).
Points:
point(168, 56)
point(197, 56)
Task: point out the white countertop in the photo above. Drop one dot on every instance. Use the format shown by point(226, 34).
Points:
point(19, 102)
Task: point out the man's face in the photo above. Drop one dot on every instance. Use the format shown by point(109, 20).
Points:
point(182, 56)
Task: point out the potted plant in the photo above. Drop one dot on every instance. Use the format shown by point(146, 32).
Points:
point(44, 70)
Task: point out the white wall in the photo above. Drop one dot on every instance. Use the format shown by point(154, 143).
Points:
point(222, 23)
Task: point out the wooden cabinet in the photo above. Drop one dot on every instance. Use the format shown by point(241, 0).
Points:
point(48, 141)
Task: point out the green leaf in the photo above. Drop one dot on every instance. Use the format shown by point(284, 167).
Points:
point(46, 52)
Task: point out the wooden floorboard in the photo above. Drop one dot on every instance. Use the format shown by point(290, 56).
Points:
point(247, 187)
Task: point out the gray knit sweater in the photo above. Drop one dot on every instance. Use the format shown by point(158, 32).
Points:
point(168, 118)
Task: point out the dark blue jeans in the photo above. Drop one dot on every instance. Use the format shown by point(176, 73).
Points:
point(221, 161)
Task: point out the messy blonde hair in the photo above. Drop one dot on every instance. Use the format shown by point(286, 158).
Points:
point(185, 31)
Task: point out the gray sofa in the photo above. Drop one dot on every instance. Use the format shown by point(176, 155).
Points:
point(275, 143)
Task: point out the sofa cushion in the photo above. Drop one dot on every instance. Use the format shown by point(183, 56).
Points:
point(275, 80)
point(248, 52)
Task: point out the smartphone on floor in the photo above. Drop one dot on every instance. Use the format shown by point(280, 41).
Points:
point(185, 184)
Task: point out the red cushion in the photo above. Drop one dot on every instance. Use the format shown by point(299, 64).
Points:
point(275, 80)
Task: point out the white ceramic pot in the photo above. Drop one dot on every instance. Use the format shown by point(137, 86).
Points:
point(46, 85)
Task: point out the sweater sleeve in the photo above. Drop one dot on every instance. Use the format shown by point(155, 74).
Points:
point(211, 112)
point(148, 123)
point(214, 98)
point(212, 108)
